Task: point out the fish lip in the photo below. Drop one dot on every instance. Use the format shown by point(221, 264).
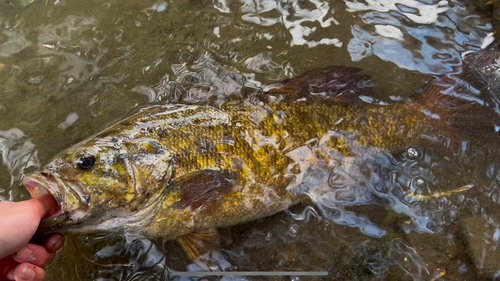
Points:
point(43, 183)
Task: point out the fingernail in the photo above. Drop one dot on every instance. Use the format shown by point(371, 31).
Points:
point(57, 243)
point(27, 274)
point(26, 254)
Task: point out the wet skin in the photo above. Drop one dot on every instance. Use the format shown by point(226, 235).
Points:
point(175, 170)
point(19, 259)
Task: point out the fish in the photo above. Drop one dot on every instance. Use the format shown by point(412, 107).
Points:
point(181, 171)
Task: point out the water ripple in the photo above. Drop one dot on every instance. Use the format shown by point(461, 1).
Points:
point(18, 153)
point(427, 37)
point(294, 18)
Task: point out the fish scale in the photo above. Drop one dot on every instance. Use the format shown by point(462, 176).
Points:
point(181, 171)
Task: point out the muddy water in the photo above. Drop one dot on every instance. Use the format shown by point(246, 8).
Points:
point(70, 68)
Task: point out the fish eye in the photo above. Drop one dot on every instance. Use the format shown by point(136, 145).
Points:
point(85, 161)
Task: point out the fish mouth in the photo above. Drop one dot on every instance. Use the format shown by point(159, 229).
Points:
point(68, 200)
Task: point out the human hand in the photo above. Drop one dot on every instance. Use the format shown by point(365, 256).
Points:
point(19, 259)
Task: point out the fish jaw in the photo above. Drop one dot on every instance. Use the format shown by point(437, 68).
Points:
point(71, 203)
point(75, 210)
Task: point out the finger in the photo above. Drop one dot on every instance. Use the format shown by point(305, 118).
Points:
point(46, 204)
point(34, 254)
point(26, 272)
point(5, 265)
point(54, 243)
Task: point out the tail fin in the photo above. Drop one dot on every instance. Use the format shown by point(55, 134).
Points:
point(462, 102)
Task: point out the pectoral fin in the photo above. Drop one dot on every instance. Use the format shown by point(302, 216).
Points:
point(204, 188)
point(200, 242)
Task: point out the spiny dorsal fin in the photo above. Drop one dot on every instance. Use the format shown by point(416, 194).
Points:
point(199, 242)
point(332, 81)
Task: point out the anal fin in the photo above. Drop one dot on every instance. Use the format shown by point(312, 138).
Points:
point(199, 242)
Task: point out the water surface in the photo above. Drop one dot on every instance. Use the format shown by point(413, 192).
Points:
point(70, 68)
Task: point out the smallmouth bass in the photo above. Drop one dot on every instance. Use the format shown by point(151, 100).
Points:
point(179, 171)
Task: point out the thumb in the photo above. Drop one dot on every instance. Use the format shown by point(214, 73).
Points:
point(45, 204)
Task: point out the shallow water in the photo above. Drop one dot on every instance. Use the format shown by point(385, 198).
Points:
point(70, 68)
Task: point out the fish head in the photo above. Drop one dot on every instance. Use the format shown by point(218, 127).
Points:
point(105, 180)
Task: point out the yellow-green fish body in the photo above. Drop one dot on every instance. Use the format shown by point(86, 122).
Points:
point(171, 170)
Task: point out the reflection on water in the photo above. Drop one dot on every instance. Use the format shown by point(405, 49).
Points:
point(415, 35)
point(207, 82)
point(70, 68)
point(18, 154)
point(293, 15)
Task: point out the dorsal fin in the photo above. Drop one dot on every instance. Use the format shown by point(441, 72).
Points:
point(332, 81)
